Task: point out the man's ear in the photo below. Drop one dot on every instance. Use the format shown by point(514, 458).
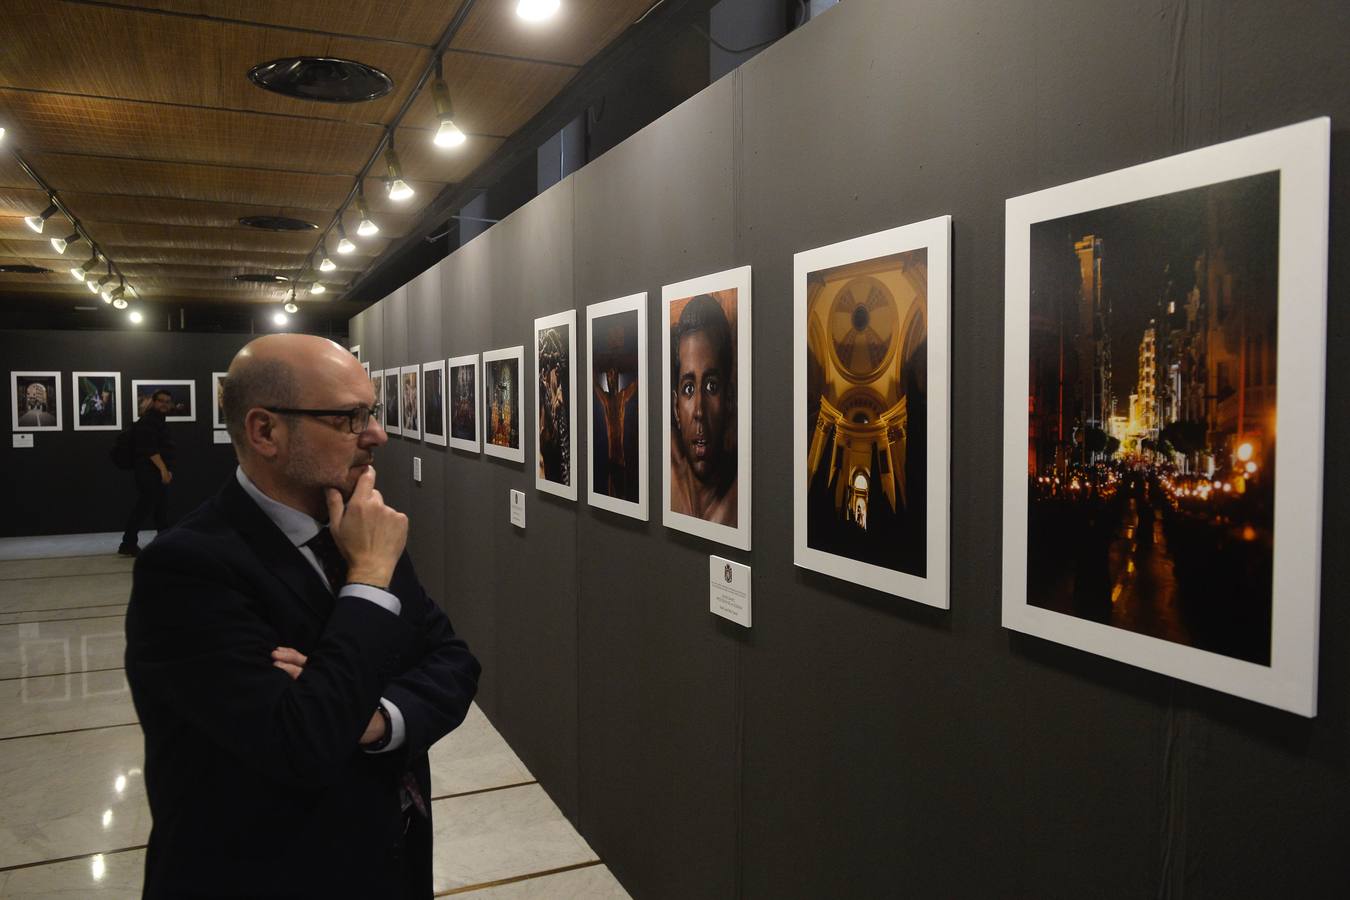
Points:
point(261, 432)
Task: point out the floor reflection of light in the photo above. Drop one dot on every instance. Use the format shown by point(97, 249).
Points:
point(97, 867)
point(107, 817)
point(120, 784)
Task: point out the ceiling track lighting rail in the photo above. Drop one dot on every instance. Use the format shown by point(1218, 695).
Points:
point(385, 148)
point(113, 295)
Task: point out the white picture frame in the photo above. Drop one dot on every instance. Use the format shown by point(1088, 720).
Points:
point(377, 388)
point(391, 379)
point(355, 350)
point(433, 372)
point(462, 441)
point(919, 248)
point(600, 316)
point(567, 452)
point(55, 405)
point(77, 401)
point(731, 288)
point(217, 407)
point(157, 383)
point(410, 424)
point(1293, 164)
point(493, 360)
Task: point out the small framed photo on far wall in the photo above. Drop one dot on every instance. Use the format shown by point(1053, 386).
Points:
point(465, 389)
point(433, 402)
point(218, 399)
point(182, 398)
point(555, 348)
point(503, 435)
point(98, 400)
point(35, 400)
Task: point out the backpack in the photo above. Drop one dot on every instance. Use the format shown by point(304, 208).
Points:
point(122, 454)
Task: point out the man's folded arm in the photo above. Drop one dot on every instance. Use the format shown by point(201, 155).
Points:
point(195, 645)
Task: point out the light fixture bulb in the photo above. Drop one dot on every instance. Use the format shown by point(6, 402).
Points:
point(2, 134)
point(318, 288)
point(367, 226)
point(399, 190)
point(60, 244)
point(346, 246)
point(92, 285)
point(448, 135)
point(135, 316)
point(327, 265)
point(37, 223)
point(280, 319)
point(114, 295)
point(536, 10)
point(291, 307)
point(82, 272)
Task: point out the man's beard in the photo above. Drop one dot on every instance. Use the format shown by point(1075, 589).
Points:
point(301, 470)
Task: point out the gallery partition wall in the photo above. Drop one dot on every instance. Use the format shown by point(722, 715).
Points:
point(854, 742)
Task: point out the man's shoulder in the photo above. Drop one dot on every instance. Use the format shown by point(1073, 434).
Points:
point(204, 534)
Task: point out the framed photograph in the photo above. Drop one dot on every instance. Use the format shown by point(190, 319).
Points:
point(870, 413)
point(705, 406)
point(218, 399)
point(616, 350)
point(466, 398)
point(356, 351)
point(35, 403)
point(377, 388)
point(98, 400)
point(366, 366)
point(183, 394)
point(502, 406)
point(393, 401)
point(433, 402)
point(1165, 323)
point(409, 396)
point(555, 390)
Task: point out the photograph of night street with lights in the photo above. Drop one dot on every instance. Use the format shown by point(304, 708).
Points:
point(1152, 413)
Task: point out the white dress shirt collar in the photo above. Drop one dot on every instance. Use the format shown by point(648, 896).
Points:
point(298, 526)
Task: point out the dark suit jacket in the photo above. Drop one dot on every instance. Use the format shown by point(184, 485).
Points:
point(255, 781)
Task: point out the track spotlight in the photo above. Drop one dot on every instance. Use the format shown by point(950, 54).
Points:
point(291, 307)
point(60, 244)
point(38, 222)
point(135, 316)
point(325, 263)
point(367, 226)
point(111, 293)
point(448, 134)
point(398, 188)
point(344, 244)
point(536, 10)
point(116, 294)
point(318, 288)
point(81, 272)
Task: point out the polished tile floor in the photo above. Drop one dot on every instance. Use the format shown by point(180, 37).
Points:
point(74, 820)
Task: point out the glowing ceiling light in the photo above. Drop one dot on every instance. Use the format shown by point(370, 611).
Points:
point(81, 272)
point(2, 134)
point(536, 10)
point(134, 316)
point(344, 244)
point(291, 307)
point(37, 223)
point(325, 263)
point(60, 244)
point(367, 226)
point(317, 288)
point(98, 287)
point(281, 318)
point(448, 134)
point(398, 188)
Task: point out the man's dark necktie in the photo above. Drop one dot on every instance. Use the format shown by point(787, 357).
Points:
point(330, 558)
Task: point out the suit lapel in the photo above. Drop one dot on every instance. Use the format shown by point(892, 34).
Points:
point(274, 550)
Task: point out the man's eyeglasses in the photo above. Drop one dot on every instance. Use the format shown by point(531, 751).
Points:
point(358, 419)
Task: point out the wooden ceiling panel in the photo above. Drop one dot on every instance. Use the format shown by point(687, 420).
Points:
point(411, 21)
point(491, 95)
point(581, 29)
point(424, 161)
point(182, 181)
point(11, 175)
point(22, 201)
point(194, 62)
point(103, 128)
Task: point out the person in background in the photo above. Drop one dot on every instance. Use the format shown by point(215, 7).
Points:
point(152, 451)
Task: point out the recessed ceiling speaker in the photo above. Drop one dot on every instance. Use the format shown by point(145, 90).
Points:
point(321, 78)
point(277, 223)
point(23, 270)
point(261, 278)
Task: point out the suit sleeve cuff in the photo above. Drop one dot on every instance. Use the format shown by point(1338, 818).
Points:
point(374, 595)
point(397, 731)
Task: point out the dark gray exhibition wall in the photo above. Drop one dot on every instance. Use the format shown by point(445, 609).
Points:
point(66, 484)
point(852, 743)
